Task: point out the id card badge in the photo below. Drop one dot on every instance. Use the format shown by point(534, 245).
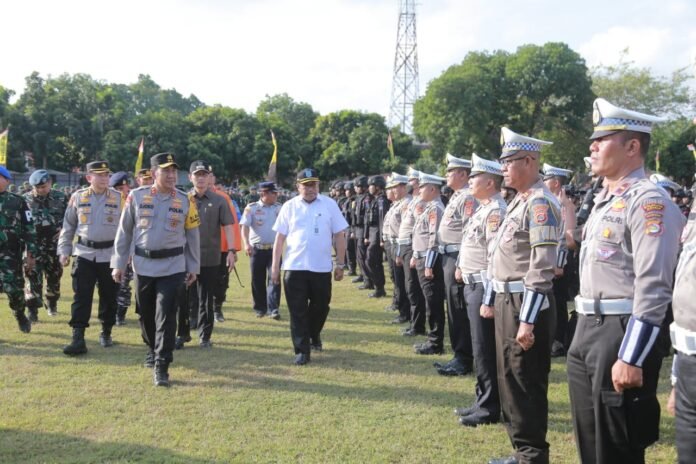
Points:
point(316, 223)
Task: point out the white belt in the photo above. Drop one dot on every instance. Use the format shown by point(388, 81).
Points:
point(419, 254)
point(516, 286)
point(442, 249)
point(683, 340)
point(403, 241)
point(615, 307)
point(469, 279)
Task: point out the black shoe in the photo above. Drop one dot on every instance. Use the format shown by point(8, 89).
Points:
point(316, 347)
point(412, 332)
point(274, 314)
point(52, 309)
point(78, 345)
point(180, 341)
point(455, 369)
point(366, 287)
point(449, 363)
point(219, 317)
point(161, 375)
point(149, 360)
point(23, 323)
point(301, 359)
point(507, 460)
point(260, 314)
point(357, 279)
point(469, 410)
point(105, 339)
point(379, 293)
point(205, 344)
point(428, 348)
point(33, 315)
point(120, 321)
point(399, 320)
point(475, 420)
point(557, 349)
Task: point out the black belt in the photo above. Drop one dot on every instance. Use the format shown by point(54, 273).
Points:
point(159, 254)
point(93, 244)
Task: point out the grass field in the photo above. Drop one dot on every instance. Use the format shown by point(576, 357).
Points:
point(366, 398)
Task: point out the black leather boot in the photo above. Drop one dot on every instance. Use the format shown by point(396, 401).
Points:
point(161, 374)
point(105, 337)
point(22, 321)
point(78, 345)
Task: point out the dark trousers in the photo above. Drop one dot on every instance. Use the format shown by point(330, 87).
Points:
point(308, 295)
point(523, 378)
point(204, 288)
point(266, 294)
point(457, 316)
point(610, 427)
point(220, 290)
point(374, 258)
point(413, 291)
point(686, 408)
point(85, 275)
point(361, 255)
point(156, 298)
point(400, 298)
point(560, 293)
point(351, 254)
point(483, 344)
point(433, 294)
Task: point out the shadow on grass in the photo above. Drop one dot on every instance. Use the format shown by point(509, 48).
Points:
point(23, 446)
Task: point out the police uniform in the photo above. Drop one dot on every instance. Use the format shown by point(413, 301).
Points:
point(390, 235)
point(683, 334)
point(259, 218)
point(17, 234)
point(347, 210)
point(521, 270)
point(124, 293)
point(94, 219)
point(48, 212)
point(459, 209)
point(162, 229)
point(374, 221)
point(411, 208)
point(627, 259)
point(362, 204)
point(425, 254)
point(479, 235)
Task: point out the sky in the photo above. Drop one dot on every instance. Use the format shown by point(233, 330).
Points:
point(332, 54)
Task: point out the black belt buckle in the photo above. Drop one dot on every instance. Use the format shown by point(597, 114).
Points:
point(597, 312)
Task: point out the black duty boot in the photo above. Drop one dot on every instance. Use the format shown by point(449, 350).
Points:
point(121, 315)
point(78, 345)
point(22, 321)
point(33, 310)
point(105, 337)
point(52, 308)
point(149, 359)
point(161, 374)
point(378, 293)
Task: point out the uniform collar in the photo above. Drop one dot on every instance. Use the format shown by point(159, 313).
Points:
point(627, 181)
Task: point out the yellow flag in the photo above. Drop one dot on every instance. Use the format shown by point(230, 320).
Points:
point(3, 147)
point(272, 168)
point(139, 162)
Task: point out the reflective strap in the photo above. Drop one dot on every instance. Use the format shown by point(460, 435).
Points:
point(683, 340)
point(430, 258)
point(638, 341)
point(516, 286)
point(615, 307)
point(419, 254)
point(561, 258)
point(444, 249)
point(533, 302)
point(471, 278)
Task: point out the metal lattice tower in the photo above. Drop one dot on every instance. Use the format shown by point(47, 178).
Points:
point(405, 81)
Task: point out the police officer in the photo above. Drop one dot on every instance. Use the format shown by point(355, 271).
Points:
point(459, 209)
point(143, 178)
point(396, 186)
point(362, 204)
point(374, 222)
point(347, 211)
point(427, 262)
point(47, 208)
point(628, 256)
point(411, 208)
point(119, 181)
point(92, 214)
point(17, 236)
point(521, 270)
point(683, 332)
point(258, 237)
point(479, 234)
point(555, 179)
point(161, 224)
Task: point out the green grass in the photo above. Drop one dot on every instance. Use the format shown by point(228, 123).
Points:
point(366, 398)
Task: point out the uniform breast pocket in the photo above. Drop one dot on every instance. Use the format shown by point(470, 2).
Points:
point(509, 232)
point(174, 220)
point(84, 216)
point(110, 217)
point(608, 249)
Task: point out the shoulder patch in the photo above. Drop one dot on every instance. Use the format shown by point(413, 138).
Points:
point(493, 221)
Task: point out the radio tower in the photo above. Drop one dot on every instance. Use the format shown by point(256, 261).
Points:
point(405, 82)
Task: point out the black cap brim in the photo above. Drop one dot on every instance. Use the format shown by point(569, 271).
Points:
point(598, 134)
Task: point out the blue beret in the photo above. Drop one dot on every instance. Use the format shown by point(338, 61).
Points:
point(5, 173)
point(39, 177)
point(118, 178)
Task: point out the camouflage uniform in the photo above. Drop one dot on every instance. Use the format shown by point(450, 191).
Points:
point(47, 212)
point(17, 233)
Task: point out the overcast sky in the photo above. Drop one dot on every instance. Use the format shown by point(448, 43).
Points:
point(333, 54)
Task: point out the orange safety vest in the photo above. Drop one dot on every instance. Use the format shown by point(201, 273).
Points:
point(237, 245)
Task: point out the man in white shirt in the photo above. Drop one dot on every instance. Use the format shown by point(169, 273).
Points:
point(307, 225)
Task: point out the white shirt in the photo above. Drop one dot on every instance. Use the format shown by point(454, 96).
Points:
point(309, 230)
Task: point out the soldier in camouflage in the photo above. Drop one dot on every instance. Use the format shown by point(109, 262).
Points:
point(17, 235)
point(47, 207)
point(119, 181)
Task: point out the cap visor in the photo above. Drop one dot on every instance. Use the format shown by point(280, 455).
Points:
point(308, 179)
point(166, 165)
point(598, 134)
point(99, 171)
